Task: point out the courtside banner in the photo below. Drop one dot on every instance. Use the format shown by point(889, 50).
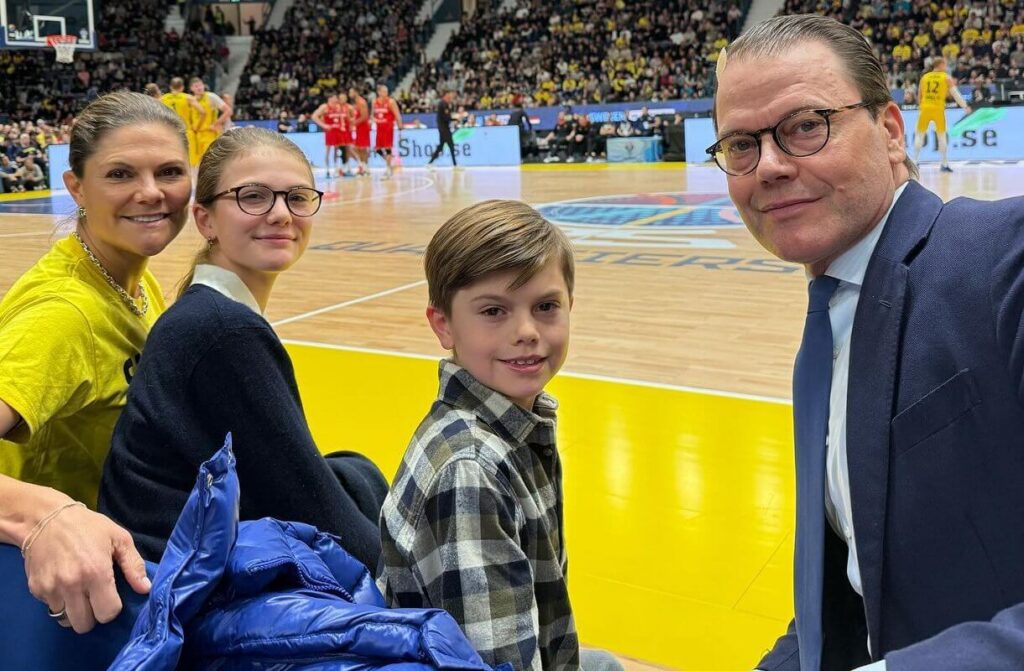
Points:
point(987, 134)
point(487, 145)
point(491, 145)
point(57, 162)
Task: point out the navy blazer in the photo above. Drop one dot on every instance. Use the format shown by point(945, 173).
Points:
point(935, 445)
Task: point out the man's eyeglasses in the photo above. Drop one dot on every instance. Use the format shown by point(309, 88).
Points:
point(257, 199)
point(802, 133)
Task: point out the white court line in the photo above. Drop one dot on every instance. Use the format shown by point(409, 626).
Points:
point(34, 202)
point(55, 215)
point(24, 235)
point(363, 299)
point(345, 304)
point(565, 373)
point(341, 200)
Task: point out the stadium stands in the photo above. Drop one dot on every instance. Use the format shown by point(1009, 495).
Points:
point(554, 52)
point(324, 46)
point(133, 49)
point(535, 52)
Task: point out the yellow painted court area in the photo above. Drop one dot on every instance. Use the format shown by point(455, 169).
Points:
point(678, 505)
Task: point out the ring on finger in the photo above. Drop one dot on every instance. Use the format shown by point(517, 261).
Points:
point(61, 616)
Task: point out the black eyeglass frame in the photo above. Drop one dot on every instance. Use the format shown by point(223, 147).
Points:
point(284, 193)
point(826, 114)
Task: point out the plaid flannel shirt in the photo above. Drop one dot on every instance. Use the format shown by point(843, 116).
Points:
point(473, 525)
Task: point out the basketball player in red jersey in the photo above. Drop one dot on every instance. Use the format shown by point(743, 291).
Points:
point(386, 115)
point(331, 117)
point(361, 121)
point(348, 114)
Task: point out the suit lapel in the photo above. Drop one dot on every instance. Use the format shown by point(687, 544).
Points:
point(874, 367)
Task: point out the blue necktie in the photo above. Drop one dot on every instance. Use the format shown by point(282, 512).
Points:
point(812, 385)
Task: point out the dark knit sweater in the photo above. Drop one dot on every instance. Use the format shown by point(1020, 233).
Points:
point(212, 366)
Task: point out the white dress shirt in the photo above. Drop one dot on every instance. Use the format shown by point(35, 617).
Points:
point(849, 268)
point(227, 283)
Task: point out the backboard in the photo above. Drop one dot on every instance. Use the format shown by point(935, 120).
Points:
point(26, 23)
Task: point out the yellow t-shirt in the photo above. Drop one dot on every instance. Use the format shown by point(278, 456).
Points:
point(901, 52)
point(934, 88)
point(68, 348)
point(922, 40)
point(178, 101)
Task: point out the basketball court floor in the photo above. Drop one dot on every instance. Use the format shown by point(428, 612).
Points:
point(675, 421)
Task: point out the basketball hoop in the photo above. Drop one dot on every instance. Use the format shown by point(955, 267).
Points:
point(64, 45)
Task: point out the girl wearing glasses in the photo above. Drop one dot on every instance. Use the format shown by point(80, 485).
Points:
point(214, 366)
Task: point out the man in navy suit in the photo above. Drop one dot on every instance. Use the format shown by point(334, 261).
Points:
point(909, 385)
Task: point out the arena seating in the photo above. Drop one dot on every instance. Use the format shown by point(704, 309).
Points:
point(555, 52)
point(537, 52)
point(983, 43)
point(327, 46)
point(133, 49)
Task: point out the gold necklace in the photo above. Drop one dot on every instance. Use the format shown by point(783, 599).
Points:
point(125, 296)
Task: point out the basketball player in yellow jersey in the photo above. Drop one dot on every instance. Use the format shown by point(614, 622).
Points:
point(185, 106)
point(209, 123)
point(934, 88)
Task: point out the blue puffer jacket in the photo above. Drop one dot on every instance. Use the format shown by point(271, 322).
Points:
point(270, 595)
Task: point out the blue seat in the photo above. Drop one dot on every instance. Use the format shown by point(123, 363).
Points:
point(30, 639)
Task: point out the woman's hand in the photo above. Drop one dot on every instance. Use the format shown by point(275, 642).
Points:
point(70, 567)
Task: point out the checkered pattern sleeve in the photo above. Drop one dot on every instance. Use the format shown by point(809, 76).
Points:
point(471, 563)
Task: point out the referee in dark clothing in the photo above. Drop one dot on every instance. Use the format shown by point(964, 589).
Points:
point(444, 127)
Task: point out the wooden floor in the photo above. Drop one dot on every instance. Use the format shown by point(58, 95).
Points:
point(675, 426)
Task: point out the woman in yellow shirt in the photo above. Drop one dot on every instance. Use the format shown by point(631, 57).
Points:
point(71, 331)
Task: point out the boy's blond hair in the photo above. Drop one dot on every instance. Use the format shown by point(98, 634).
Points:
point(489, 237)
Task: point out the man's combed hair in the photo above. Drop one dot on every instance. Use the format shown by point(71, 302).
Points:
point(783, 34)
point(489, 237)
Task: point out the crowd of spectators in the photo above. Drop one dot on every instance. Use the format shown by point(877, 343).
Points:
point(549, 52)
point(576, 138)
point(132, 50)
point(326, 45)
point(983, 43)
point(23, 154)
point(525, 53)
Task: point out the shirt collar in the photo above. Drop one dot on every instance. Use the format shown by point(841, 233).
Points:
point(850, 266)
point(227, 283)
point(460, 389)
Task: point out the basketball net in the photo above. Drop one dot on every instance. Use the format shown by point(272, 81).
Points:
point(64, 45)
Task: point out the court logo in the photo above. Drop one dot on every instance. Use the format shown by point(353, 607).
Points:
point(647, 220)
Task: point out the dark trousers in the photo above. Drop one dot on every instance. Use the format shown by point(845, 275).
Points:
point(366, 488)
point(446, 139)
point(843, 623)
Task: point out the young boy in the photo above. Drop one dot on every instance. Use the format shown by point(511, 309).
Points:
point(473, 521)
